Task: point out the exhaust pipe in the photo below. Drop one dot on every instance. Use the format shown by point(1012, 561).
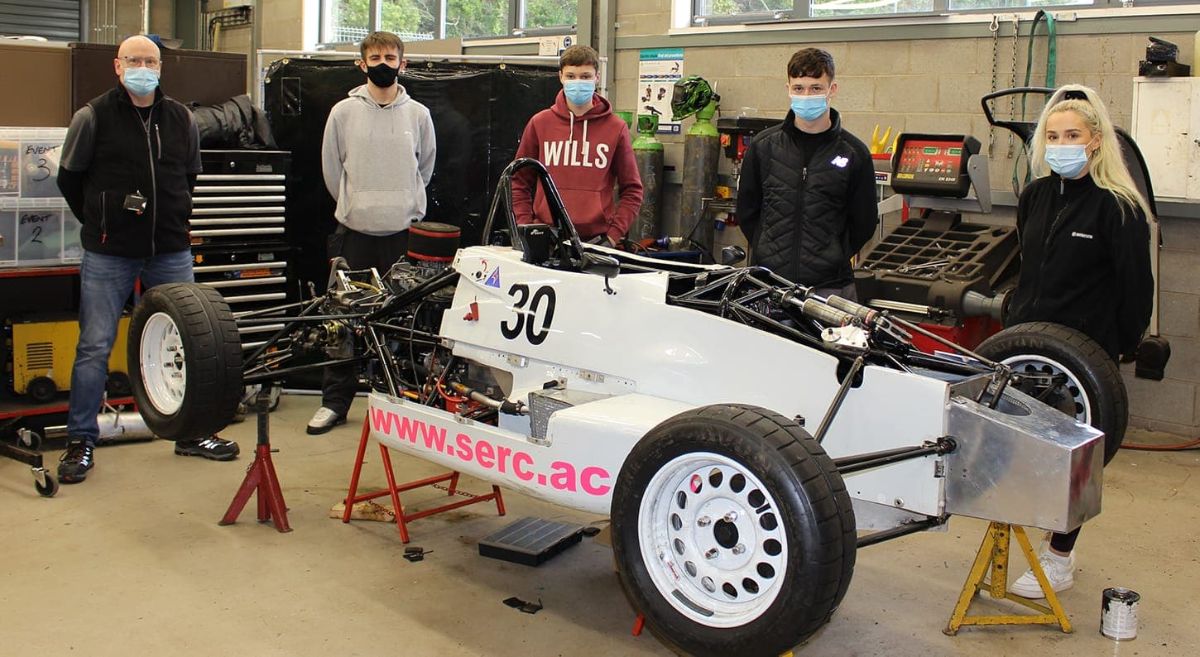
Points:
point(114, 427)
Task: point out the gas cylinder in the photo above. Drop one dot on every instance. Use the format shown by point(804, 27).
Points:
point(648, 152)
point(701, 150)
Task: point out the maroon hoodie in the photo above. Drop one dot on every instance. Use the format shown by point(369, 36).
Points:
point(585, 156)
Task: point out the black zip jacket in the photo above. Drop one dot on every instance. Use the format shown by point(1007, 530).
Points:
point(112, 152)
point(807, 202)
point(1084, 264)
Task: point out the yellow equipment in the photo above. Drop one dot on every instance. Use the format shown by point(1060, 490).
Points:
point(43, 352)
point(993, 556)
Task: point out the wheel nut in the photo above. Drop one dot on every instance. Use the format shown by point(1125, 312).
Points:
point(703, 521)
point(711, 554)
point(739, 548)
point(731, 516)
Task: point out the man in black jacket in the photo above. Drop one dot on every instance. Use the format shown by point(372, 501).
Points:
point(128, 167)
point(806, 198)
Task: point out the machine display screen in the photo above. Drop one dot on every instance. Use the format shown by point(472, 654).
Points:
point(932, 164)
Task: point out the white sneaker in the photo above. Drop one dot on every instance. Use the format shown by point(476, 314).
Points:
point(1060, 572)
point(324, 420)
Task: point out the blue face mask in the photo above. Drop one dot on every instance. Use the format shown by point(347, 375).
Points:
point(579, 92)
point(810, 108)
point(1067, 160)
point(140, 81)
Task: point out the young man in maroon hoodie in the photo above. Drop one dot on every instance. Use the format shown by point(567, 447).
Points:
point(586, 149)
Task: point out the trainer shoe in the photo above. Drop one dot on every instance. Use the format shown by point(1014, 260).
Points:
point(1060, 572)
point(215, 448)
point(324, 420)
point(74, 464)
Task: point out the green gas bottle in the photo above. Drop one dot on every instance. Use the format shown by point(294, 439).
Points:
point(701, 151)
point(648, 152)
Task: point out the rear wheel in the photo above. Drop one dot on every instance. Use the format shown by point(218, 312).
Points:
point(185, 361)
point(733, 532)
point(1090, 388)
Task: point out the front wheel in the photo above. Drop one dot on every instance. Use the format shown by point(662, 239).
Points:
point(185, 361)
point(733, 532)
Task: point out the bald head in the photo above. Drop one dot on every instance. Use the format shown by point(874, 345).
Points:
point(138, 46)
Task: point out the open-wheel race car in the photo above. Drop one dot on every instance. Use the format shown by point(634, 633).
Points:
point(745, 435)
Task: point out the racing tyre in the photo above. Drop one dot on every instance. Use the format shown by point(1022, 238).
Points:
point(185, 361)
point(733, 532)
point(1094, 392)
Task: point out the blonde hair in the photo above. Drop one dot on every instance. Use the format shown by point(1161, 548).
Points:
point(1106, 165)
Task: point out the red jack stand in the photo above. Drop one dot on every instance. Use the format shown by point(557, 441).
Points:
point(638, 624)
point(402, 518)
point(261, 476)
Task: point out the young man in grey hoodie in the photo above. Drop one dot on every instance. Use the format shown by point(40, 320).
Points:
point(377, 157)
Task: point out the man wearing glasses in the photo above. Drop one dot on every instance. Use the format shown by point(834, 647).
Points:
point(128, 167)
point(806, 197)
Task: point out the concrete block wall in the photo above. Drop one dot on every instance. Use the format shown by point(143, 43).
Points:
point(936, 86)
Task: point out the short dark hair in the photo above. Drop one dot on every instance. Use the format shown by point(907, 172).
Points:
point(579, 56)
point(380, 41)
point(810, 63)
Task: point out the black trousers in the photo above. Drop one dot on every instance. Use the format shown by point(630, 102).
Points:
point(360, 251)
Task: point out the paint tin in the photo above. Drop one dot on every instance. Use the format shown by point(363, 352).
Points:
point(1118, 614)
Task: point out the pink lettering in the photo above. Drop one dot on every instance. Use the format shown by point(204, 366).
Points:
point(382, 420)
point(464, 447)
point(519, 459)
point(409, 429)
point(562, 476)
point(587, 476)
point(502, 454)
point(484, 454)
point(435, 437)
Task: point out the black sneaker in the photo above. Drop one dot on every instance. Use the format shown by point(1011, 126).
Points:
point(74, 464)
point(215, 448)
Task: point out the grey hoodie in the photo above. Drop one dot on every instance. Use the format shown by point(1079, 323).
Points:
point(377, 161)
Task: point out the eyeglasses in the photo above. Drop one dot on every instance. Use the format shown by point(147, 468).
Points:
point(139, 62)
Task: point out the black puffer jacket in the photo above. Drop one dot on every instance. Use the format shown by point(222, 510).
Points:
point(807, 202)
point(1084, 263)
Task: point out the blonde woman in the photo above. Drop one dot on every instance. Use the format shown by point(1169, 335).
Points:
point(1085, 255)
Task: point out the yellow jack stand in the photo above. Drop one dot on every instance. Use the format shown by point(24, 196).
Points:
point(994, 553)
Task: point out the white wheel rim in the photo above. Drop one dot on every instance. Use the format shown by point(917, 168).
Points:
point(716, 552)
point(164, 366)
point(1037, 364)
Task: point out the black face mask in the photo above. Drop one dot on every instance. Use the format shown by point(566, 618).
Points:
point(382, 75)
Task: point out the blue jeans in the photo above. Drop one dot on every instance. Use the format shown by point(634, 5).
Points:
point(105, 282)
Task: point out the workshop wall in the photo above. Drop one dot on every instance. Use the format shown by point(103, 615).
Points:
point(935, 86)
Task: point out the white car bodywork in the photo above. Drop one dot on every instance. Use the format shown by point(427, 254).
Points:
point(636, 361)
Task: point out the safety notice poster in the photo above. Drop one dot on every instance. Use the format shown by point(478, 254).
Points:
point(658, 71)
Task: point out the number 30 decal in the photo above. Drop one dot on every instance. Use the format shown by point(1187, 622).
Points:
point(526, 320)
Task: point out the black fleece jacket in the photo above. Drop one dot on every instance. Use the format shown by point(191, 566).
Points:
point(113, 150)
point(1085, 262)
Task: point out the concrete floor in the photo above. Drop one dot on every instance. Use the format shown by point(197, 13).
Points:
point(132, 562)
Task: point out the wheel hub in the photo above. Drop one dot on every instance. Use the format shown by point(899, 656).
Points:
point(163, 363)
point(1068, 397)
point(718, 550)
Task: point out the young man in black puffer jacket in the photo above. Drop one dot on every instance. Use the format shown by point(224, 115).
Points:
point(806, 198)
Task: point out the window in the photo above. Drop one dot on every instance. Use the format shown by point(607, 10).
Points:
point(705, 12)
point(345, 21)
